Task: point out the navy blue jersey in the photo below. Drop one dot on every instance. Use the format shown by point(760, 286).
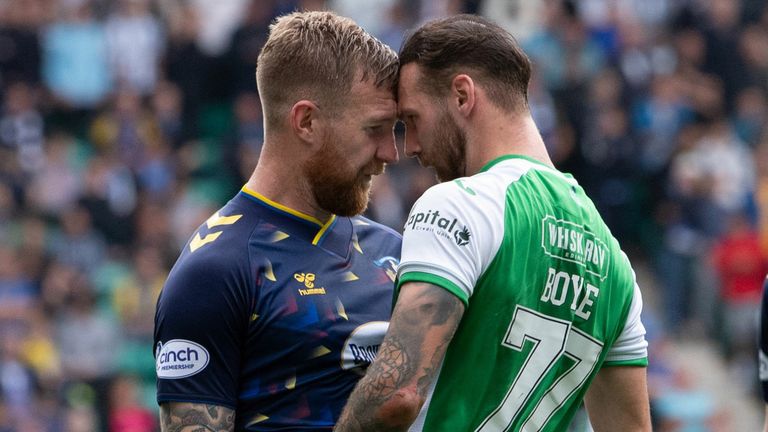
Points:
point(763, 343)
point(274, 313)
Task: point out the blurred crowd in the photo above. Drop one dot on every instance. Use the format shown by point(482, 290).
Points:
point(126, 123)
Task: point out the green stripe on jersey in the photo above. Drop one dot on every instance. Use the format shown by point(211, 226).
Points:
point(442, 282)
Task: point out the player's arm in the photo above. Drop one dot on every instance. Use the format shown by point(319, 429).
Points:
point(201, 312)
point(618, 400)
point(189, 417)
point(395, 387)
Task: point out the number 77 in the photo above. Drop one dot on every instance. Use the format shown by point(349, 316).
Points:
point(553, 338)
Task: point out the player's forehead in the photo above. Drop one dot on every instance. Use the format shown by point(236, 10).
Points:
point(369, 100)
point(409, 74)
point(408, 89)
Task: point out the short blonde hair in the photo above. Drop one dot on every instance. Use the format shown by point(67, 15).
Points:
point(317, 56)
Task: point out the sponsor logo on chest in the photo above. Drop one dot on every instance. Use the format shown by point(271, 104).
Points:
point(568, 241)
point(308, 279)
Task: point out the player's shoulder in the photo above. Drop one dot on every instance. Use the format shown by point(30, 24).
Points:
point(368, 226)
point(376, 238)
point(220, 244)
point(511, 168)
point(465, 193)
point(223, 234)
point(492, 180)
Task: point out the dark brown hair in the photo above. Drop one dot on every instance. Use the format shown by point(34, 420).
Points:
point(317, 56)
point(473, 45)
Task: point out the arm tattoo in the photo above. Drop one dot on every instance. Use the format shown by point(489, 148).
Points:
point(192, 417)
point(390, 371)
point(422, 327)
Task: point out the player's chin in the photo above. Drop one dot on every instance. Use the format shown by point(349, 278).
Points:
point(357, 202)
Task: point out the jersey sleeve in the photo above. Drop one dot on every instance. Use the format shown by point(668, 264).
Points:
point(631, 348)
point(199, 333)
point(450, 237)
point(763, 344)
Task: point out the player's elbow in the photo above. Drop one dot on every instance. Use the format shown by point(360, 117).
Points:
point(400, 410)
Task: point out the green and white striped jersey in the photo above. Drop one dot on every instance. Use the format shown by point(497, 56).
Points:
point(550, 297)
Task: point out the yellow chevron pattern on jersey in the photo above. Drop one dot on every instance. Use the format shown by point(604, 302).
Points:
point(320, 351)
point(217, 220)
point(278, 236)
point(197, 242)
point(290, 383)
point(269, 273)
point(356, 244)
point(340, 309)
point(257, 419)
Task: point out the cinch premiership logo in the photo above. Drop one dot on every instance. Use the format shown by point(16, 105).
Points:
point(568, 241)
point(362, 345)
point(432, 221)
point(179, 358)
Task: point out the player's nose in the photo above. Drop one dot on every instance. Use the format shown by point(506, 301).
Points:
point(411, 146)
point(387, 151)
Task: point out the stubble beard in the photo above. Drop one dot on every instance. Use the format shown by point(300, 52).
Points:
point(449, 149)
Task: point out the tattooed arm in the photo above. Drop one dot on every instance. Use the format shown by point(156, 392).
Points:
point(390, 395)
point(194, 417)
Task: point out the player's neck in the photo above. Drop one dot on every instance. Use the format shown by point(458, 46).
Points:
point(497, 136)
point(285, 185)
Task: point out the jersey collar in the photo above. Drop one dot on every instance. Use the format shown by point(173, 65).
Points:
point(493, 162)
point(537, 165)
point(333, 234)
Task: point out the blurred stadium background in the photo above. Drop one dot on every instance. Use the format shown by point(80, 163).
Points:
point(125, 123)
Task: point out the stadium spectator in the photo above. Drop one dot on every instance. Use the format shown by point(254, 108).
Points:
point(20, 59)
point(741, 266)
point(126, 411)
point(246, 42)
point(135, 44)
point(244, 142)
point(17, 290)
point(75, 59)
point(58, 183)
point(87, 340)
point(21, 127)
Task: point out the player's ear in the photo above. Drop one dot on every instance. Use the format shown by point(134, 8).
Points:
point(304, 120)
point(463, 94)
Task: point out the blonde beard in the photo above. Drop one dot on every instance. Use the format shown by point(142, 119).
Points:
point(339, 191)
